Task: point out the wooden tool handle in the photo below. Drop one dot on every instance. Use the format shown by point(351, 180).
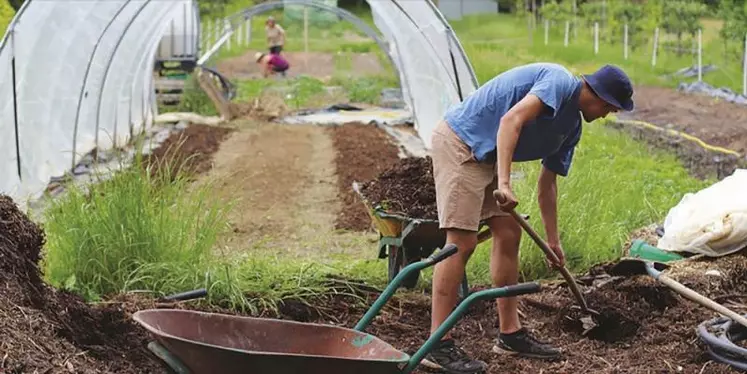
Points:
point(702, 300)
point(545, 248)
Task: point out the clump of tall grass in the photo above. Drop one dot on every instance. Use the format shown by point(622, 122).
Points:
point(138, 230)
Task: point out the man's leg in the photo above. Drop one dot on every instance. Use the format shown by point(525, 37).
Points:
point(460, 182)
point(504, 267)
point(504, 270)
point(448, 274)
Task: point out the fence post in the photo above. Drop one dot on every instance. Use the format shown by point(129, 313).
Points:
point(547, 28)
point(656, 44)
point(626, 41)
point(596, 37)
point(700, 55)
point(567, 27)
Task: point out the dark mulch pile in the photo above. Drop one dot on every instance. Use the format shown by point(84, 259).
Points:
point(47, 331)
point(189, 150)
point(363, 151)
point(407, 188)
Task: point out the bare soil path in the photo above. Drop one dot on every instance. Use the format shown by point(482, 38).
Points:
point(283, 182)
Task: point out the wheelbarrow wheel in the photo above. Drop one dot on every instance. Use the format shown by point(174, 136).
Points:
point(397, 261)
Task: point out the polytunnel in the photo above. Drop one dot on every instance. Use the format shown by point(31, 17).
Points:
point(78, 75)
point(75, 76)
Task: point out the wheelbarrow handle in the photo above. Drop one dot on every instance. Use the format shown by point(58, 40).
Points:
point(391, 288)
point(461, 309)
point(446, 252)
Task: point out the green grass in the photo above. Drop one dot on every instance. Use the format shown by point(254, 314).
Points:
point(302, 91)
point(6, 15)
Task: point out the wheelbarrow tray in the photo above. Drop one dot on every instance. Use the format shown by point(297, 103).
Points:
point(218, 343)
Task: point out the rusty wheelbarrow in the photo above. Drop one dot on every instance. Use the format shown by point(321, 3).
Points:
point(202, 343)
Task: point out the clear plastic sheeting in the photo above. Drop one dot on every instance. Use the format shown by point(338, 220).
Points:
point(181, 38)
point(712, 222)
point(84, 79)
point(434, 71)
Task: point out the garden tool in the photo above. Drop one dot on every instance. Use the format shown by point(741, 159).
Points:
point(637, 266)
point(589, 321)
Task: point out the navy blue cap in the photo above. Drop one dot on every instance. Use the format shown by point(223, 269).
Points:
point(612, 85)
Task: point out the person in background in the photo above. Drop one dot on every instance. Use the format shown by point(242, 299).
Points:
point(271, 64)
point(275, 36)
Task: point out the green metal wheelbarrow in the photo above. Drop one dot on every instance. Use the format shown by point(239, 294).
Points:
point(206, 343)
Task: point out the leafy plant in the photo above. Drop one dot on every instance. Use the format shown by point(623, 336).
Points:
point(680, 18)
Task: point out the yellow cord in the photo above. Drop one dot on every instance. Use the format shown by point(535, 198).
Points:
point(681, 134)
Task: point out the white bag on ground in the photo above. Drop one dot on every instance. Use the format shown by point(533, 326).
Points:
point(712, 221)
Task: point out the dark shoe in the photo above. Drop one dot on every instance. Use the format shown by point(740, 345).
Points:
point(449, 358)
point(522, 343)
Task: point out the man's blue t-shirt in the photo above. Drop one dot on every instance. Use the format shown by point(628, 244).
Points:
point(552, 137)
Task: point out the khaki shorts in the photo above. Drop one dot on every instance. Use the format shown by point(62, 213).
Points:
point(464, 187)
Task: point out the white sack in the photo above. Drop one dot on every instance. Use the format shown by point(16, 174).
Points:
point(712, 221)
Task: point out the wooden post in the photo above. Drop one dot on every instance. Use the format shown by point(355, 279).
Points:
point(567, 27)
point(596, 37)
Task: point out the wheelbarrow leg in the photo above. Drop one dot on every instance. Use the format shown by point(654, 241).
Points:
point(173, 363)
point(397, 261)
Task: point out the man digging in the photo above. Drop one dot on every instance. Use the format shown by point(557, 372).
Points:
point(531, 112)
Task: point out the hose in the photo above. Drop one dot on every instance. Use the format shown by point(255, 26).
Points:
point(689, 137)
point(719, 336)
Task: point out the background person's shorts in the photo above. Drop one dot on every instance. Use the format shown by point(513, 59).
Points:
point(464, 187)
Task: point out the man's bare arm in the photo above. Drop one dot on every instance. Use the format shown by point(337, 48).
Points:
point(547, 196)
point(508, 133)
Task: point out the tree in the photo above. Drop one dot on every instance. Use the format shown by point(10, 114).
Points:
point(626, 12)
point(557, 13)
point(734, 28)
point(680, 18)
